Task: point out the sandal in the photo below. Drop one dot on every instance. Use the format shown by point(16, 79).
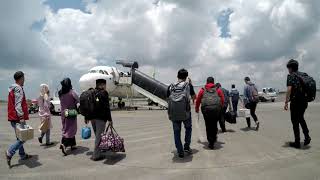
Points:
point(8, 159)
point(63, 149)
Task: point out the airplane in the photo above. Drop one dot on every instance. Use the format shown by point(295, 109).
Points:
point(118, 82)
point(120, 85)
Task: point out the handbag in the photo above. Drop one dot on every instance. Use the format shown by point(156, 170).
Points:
point(245, 113)
point(24, 132)
point(70, 113)
point(86, 132)
point(111, 141)
point(230, 117)
point(45, 125)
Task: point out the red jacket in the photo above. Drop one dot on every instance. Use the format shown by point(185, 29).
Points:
point(17, 104)
point(200, 95)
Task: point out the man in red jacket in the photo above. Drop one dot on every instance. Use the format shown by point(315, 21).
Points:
point(17, 114)
point(211, 100)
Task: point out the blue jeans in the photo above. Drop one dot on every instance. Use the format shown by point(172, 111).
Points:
point(177, 134)
point(18, 145)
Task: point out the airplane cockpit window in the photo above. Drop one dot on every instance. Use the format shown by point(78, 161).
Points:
point(105, 72)
point(93, 71)
point(101, 72)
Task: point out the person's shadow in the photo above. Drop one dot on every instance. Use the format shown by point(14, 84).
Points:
point(55, 143)
point(286, 145)
point(78, 150)
point(247, 129)
point(227, 131)
point(114, 158)
point(110, 157)
point(187, 158)
point(217, 145)
point(33, 162)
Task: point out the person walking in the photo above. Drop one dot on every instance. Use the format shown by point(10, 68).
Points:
point(251, 99)
point(179, 110)
point(212, 101)
point(44, 114)
point(101, 115)
point(222, 121)
point(235, 96)
point(298, 103)
point(17, 114)
point(68, 100)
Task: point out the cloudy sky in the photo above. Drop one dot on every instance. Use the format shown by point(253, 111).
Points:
point(230, 39)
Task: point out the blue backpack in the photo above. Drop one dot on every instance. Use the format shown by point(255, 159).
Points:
point(86, 132)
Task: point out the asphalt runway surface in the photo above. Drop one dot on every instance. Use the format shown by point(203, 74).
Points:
point(241, 153)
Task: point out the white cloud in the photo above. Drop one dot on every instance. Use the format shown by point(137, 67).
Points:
point(174, 35)
point(168, 36)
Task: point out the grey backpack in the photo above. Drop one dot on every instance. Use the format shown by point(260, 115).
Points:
point(211, 100)
point(254, 95)
point(179, 103)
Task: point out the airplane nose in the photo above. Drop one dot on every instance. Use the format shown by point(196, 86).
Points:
point(88, 81)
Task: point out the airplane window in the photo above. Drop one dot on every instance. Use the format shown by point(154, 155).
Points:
point(106, 72)
point(101, 72)
point(93, 71)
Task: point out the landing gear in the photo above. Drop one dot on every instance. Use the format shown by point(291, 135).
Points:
point(151, 103)
point(121, 104)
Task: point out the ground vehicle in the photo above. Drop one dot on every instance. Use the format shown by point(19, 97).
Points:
point(33, 107)
point(268, 94)
point(55, 107)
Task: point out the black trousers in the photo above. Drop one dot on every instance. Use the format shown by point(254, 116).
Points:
point(252, 106)
point(211, 120)
point(297, 111)
point(235, 106)
point(222, 121)
point(68, 141)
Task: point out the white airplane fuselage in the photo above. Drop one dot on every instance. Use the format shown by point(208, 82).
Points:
point(112, 75)
point(114, 78)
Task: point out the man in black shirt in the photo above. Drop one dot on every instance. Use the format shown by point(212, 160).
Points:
point(102, 115)
point(298, 104)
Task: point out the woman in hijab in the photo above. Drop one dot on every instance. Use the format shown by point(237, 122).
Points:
point(69, 101)
point(44, 113)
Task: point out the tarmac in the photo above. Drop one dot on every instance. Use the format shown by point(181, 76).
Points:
point(241, 153)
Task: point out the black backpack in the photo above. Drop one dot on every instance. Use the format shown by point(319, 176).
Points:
point(308, 86)
point(87, 103)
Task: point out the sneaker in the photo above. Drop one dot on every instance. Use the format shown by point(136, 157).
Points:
point(188, 150)
point(258, 125)
point(40, 140)
point(26, 157)
point(211, 146)
point(8, 159)
point(63, 150)
point(307, 141)
point(181, 155)
point(295, 145)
